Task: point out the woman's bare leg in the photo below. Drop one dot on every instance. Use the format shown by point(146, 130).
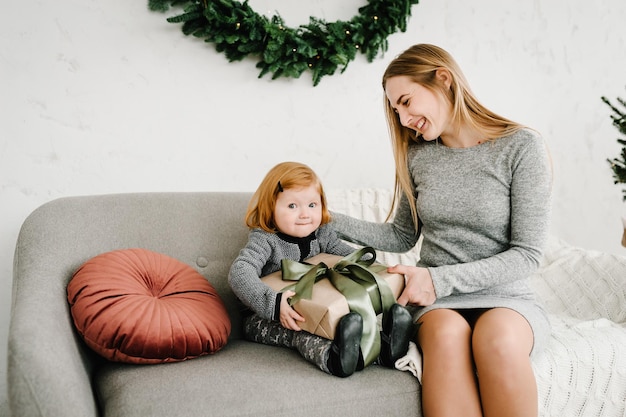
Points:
point(502, 342)
point(448, 381)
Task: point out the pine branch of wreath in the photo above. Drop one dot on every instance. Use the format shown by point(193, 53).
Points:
point(321, 47)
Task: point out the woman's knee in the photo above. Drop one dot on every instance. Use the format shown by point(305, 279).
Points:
point(442, 330)
point(502, 334)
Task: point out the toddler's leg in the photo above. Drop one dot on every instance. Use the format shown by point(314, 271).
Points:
point(267, 332)
point(338, 357)
point(398, 330)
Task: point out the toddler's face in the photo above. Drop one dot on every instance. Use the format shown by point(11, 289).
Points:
point(298, 211)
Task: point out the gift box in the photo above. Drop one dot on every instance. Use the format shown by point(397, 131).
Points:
point(328, 305)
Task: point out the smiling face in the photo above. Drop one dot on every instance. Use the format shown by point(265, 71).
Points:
point(298, 211)
point(418, 107)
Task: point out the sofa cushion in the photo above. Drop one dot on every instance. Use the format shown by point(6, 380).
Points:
point(251, 379)
point(139, 306)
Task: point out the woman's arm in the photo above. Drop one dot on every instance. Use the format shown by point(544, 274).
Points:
point(400, 235)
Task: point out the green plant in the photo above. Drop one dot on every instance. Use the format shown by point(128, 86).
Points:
point(618, 165)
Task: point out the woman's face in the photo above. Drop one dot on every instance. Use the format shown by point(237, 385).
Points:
point(418, 108)
point(298, 211)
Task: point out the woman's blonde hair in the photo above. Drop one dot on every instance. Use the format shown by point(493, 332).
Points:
point(283, 176)
point(420, 63)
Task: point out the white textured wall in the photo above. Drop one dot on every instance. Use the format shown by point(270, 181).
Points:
point(102, 97)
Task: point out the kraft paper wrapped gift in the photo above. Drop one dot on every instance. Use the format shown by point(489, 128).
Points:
point(327, 305)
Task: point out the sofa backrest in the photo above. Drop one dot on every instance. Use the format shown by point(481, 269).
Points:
point(204, 230)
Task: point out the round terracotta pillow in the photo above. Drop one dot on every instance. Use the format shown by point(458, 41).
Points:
point(138, 306)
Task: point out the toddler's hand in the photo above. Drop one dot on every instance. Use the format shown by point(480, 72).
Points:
point(289, 317)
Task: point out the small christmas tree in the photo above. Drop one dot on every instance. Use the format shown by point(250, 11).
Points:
point(618, 165)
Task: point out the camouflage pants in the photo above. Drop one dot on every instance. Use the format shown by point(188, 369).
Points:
point(314, 349)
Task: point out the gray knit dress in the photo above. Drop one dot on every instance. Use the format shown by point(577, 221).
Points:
point(484, 217)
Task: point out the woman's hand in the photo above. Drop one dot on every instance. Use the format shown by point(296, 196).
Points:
point(289, 317)
point(419, 289)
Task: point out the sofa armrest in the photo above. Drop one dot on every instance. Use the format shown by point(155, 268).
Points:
point(49, 370)
point(582, 283)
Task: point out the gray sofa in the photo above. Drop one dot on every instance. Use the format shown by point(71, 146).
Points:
point(52, 373)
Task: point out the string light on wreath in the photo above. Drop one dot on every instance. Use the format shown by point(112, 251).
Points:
point(319, 46)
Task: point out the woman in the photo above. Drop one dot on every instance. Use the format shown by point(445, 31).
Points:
point(476, 186)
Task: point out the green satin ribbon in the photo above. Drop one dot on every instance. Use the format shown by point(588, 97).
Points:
point(357, 279)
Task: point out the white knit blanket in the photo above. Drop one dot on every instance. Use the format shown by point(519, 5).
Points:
point(412, 362)
point(582, 372)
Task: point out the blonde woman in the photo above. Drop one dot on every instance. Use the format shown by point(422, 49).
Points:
point(288, 218)
point(476, 187)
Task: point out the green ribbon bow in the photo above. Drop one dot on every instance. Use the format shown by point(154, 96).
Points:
point(357, 279)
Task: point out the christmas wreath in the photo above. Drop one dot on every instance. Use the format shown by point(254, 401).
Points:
point(320, 47)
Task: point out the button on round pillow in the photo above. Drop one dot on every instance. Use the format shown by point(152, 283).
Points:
point(138, 306)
